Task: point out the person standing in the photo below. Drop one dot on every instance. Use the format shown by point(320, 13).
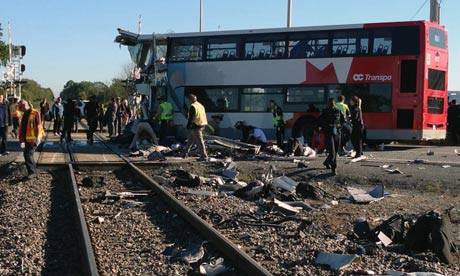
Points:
point(196, 122)
point(44, 110)
point(16, 116)
point(120, 114)
point(76, 115)
point(58, 112)
point(213, 126)
point(357, 126)
point(30, 135)
point(331, 119)
point(5, 121)
point(91, 115)
point(279, 122)
point(111, 115)
point(101, 118)
point(346, 127)
point(165, 116)
point(69, 117)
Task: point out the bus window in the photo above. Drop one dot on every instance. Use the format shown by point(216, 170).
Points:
point(408, 77)
point(219, 48)
point(375, 97)
point(305, 94)
point(220, 99)
point(437, 38)
point(436, 79)
point(302, 45)
point(406, 40)
point(382, 42)
point(186, 49)
point(350, 43)
point(435, 105)
point(256, 99)
point(263, 48)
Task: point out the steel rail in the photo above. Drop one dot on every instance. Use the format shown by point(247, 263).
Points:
point(242, 260)
point(228, 248)
point(88, 258)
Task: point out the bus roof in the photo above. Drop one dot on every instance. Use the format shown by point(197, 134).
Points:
point(128, 38)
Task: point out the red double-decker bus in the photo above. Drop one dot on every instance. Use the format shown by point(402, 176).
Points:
point(398, 69)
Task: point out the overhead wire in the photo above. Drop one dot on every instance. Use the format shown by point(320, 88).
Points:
point(421, 7)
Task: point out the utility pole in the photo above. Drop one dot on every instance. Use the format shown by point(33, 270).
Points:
point(435, 11)
point(11, 66)
point(201, 16)
point(289, 10)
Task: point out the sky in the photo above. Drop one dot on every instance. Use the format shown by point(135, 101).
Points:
point(73, 39)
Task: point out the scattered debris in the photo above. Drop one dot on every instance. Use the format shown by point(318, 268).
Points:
point(446, 166)
point(386, 241)
point(282, 207)
point(190, 255)
point(361, 196)
point(132, 203)
point(214, 268)
point(184, 178)
point(201, 192)
point(334, 261)
point(285, 183)
point(398, 273)
point(394, 171)
point(93, 181)
point(100, 220)
point(456, 152)
point(129, 194)
point(430, 153)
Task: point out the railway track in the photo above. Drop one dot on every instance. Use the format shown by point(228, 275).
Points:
point(120, 235)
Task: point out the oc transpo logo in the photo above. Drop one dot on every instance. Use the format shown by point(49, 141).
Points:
point(369, 77)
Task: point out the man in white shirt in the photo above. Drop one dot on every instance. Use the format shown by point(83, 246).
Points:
point(257, 137)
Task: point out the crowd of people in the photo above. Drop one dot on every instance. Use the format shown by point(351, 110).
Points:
point(337, 125)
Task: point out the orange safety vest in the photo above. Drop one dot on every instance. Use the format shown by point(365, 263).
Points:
point(15, 112)
point(33, 132)
point(200, 114)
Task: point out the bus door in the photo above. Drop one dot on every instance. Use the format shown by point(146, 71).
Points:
point(406, 103)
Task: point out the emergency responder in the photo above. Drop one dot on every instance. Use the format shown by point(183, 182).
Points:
point(16, 116)
point(331, 120)
point(30, 135)
point(346, 127)
point(278, 121)
point(5, 121)
point(196, 122)
point(91, 114)
point(165, 116)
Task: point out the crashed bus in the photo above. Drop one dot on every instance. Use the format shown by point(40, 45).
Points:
point(398, 69)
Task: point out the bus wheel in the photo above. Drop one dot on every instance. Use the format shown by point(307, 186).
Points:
point(304, 127)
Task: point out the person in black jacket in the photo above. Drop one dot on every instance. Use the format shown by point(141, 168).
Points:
point(357, 126)
point(5, 121)
point(91, 115)
point(331, 120)
point(69, 113)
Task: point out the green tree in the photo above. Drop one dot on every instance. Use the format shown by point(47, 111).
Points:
point(33, 92)
point(3, 49)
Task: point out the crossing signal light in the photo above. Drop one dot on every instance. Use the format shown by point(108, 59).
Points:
point(23, 68)
point(23, 50)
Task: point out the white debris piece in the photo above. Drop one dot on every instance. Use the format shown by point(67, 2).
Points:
point(335, 261)
point(285, 183)
point(362, 196)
